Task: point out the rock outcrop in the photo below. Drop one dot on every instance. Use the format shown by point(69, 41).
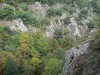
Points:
point(76, 30)
point(18, 25)
point(73, 28)
point(39, 9)
point(55, 24)
point(83, 48)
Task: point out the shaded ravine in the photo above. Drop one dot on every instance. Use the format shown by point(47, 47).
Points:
point(72, 53)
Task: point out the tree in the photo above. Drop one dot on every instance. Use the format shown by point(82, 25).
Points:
point(53, 44)
point(54, 12)
point(67, 43)
point(41, 45)
point(95, 43)
point(11, 68)
point(7, 12)
point(59, 53)
point(4, 40)
point(53, 67)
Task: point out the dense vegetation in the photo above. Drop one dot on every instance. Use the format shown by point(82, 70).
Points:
point(30, 53)
point(88, 64)
point(33, 53)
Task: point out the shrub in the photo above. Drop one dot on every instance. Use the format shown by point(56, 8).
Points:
point(24, 6)
point(7, 12)
point(52, 2)
point(41, 45)
point(67, 43)
point(44, 1)
point(53, 43)
point(96, 21)
point(83, 13)
point(90, 25)
point(96, 6)
point(27, 18)
point(45, 21)
point(59, 53)
point(58, 34)
point(67, 20)
point(95, 43)
point(53, 67)
point(11, 2)
point(54, 12)
point(11, 68)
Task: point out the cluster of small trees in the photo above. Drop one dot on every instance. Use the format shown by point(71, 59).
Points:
point(54, 12)
point(30, 53)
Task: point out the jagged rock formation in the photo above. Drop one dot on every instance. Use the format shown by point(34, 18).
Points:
point(18, 25)
point(39, 9)
point(74, 52)
point(76, 30)
point(56, 23)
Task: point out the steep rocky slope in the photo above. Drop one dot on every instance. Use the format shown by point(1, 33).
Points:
point(46, 31)
point(58, 22)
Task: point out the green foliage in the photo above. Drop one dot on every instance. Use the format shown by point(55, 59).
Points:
point(83, 13)
point(51, 2)
point(67, 20)
point(11, 2)
point(58, 34)
point(54, 12)
point(59, 53)
point(7, 12)
point(35, 61)
point(32, 51)
point(96, 6)
point(27, 18)
point(90, 25)
point(34, 54)
point(96, 21)
point(7, 41)
point(67, 42)
point(5, 29)
point(11, 68)
point(91, 60)
point(24, 6)
point(95, 43)
point(44, 1)
point(27, 69)
point(53, 67)
point(27, 1)
point(53, 44)
point(4, 40)
point(45, 21)
point(41, 45)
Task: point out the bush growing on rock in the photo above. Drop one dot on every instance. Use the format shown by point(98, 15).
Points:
point(24, 6)
point(7, 12)
point(95, 43)
point(54, 12)
point(27, 18)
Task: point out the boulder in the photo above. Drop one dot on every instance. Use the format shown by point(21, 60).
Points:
point(18, 25)
point(39, 9)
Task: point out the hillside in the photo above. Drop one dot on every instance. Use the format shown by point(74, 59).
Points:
point(49, 37)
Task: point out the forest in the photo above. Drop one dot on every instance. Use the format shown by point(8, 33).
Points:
point(33, 53)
